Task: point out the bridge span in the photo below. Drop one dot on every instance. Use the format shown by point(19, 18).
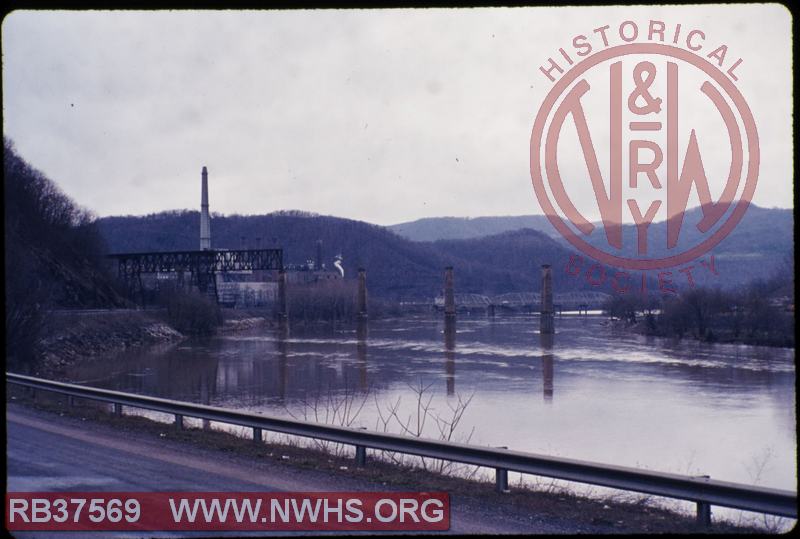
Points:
point(528, 301)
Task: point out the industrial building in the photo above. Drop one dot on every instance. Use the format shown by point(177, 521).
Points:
point(255, 288)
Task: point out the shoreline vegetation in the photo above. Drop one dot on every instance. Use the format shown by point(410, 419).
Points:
point(761, 314)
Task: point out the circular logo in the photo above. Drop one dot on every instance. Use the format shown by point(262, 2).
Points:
point(629, 140)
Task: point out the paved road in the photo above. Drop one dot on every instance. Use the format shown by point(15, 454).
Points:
point(50, 453)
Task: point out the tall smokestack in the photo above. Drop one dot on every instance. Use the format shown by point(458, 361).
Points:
point(205, 219)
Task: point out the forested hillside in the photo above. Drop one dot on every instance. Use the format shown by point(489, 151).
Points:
point(461, 228)
point(397, 268)
point(759, 247)
point(53, 253)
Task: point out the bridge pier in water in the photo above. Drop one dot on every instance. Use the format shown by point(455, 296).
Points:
point(546, 322)
point(282, 312)
point(362, 293)
point(449, 294)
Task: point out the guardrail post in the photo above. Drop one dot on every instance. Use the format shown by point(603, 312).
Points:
point(501, 480)
point(361, 453)
point(361, 456)
point(703, 508)
point(70, 401)
point(501, 477)
point(704, 514)
point(257, 437)
point(117, 409)
point(179, 421)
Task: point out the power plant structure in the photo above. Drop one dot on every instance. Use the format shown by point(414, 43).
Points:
point(258, 277)
point(204, 270)
point(232, 277)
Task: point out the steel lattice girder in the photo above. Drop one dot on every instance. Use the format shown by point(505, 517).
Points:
point(198, 262)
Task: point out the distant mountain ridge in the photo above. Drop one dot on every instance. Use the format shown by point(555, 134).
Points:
point(460, 228)
point(758, 247)
point(399, 268)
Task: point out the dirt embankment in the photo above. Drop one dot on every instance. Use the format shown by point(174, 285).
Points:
point(72, 335)
point(79, 334)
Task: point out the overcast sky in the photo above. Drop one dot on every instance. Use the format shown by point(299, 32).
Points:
point(384, 116)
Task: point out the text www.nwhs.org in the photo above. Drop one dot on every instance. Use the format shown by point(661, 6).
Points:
point(386, 510)
point(227, 511)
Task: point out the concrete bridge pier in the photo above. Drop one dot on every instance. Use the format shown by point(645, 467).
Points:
point(282, 310)
point(449, 294)
point(362, 293)
point(546, 322)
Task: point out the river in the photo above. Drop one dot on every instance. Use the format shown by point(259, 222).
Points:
point(593, 392)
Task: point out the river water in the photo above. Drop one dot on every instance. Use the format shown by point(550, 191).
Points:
point(591, 392)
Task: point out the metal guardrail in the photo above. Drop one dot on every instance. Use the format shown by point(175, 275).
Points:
point(702, 490)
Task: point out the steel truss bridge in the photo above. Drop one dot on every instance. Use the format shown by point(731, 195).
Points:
point(529, 301)
point(201, 266)
point(564, 301)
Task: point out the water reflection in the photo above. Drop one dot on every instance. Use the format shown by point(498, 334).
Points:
point(282, 348)
point(546, 343)
point(450, 353)
point(362, 333)
point(738, 397)
point(208, 386)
